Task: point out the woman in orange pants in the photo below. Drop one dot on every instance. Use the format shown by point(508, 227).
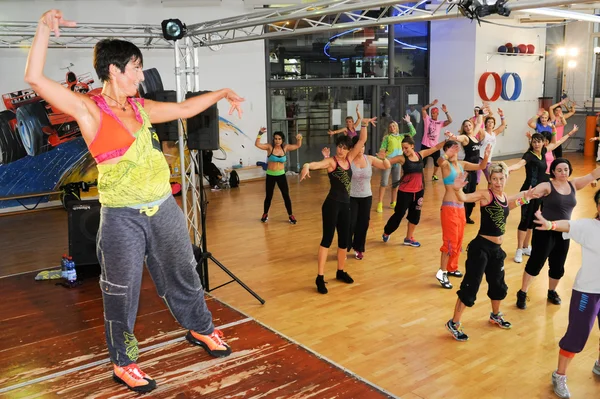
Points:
point(453, 211)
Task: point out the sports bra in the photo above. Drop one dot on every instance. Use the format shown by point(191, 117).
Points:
point(452, 176)
point(276, 158)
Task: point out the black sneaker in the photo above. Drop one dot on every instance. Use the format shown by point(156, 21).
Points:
point(498, 319)
point(455, 273)
point(522, 299)
point(553, 297)
point(470, 221)
point(456, 331)
point(321, 284)
point(343, 276)
point(293, 219)
point(264, 217)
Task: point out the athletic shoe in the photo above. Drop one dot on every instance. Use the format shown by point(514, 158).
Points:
point(293, 219)
point(215, 188)
point(519, 256)
point(264, 217)
point(596, 369)
point(385, 237)
point(393, 205)
point(470, 221)
point(553, 297)
point(456, 331)
point(434, 178)
point(321, 284)
point(559, 382)
point(522, 299)
point(527, 251)
point(358, 255)
point(498, 319)
point(442, 277)
point(343, 276)
point(379, 207)
point(455, 273)
point(212, 343)
point(134, 378)
point(411, 242)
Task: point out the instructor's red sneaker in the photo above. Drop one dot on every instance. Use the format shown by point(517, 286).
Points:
point(213, 343)
point(134, 378)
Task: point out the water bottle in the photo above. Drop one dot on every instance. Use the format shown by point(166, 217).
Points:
point(71, 272)
point(241, 163)
point(63, 266)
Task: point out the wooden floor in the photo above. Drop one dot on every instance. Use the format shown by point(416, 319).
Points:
point(387, 327)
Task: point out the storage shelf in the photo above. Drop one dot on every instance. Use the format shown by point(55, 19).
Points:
point(515, 55)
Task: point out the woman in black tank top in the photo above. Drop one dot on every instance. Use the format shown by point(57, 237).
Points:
point(484, 254)
point(410, 190)
point(558, 197)
point(336, 208)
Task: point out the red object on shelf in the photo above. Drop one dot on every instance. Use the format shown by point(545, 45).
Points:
point(530, 49)
point(522, 48)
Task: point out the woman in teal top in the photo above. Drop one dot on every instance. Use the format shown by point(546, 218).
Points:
point(276, 170)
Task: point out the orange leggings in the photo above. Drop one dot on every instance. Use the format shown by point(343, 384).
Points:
point(453, 229)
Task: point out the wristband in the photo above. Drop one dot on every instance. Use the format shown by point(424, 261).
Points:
point(553, 226)
point(548, 225)
point(306, 165)
point(521, 201)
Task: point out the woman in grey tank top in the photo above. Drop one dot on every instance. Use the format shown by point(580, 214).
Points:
point(558, 198)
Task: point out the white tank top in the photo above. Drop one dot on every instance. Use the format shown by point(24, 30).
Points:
point(361, 180)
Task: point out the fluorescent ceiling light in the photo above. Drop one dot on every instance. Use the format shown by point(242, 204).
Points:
point(563, 14)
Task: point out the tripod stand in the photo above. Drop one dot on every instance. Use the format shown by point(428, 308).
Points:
point(202, 268)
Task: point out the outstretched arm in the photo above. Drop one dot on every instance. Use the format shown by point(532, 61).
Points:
point(461, 138)
point(448, 117)
point(557, 225)
point(564, 138)
point(380, 163)
point(323, 164)
point(460, 182)
point(517, 166)
point(522, 198)
point(292, 147)
point(429, 151)
point(583, 181)
point(257, 142)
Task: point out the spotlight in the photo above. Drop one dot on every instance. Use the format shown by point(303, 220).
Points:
point(561, 51)
point(572, 64)
point(173, 29)
point(573, 51)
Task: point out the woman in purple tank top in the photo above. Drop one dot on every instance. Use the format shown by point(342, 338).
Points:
point(351, 126)
point(558, 196)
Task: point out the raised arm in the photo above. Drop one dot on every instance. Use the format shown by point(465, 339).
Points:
point(362, 138)
point(380, 163)
point(327, 163)
point(426, 107)
point(532, 122)
point(292, 147)
point(564, 138)
point(583, 181)
point(460, 182)
point(358, 118)
point(461, 138)
point(257, 142)
point(502, 126)
point(448, 117)
point(553, 107)
point(569, 114)
point(411, 129)
point(77, 105)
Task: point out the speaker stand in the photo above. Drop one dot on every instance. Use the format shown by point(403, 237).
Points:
point(202, 268)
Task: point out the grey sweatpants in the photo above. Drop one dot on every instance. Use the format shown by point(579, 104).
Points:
point(125, 239)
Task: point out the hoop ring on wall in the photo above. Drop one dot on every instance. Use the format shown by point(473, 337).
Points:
point(498, 86)
point(518, 86)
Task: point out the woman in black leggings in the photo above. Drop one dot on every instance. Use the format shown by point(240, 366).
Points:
point(410, 190)
point(336, 208)
point(276, 170)
point(558, 197)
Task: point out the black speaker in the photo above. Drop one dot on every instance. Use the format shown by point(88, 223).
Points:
point(166, 131)
point(203, 129)
point(84, 220)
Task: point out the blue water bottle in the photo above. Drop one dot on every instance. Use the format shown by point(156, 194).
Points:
point(63, 266)
point(71, 272)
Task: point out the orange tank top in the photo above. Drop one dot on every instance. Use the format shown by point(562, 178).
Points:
point(112, 139)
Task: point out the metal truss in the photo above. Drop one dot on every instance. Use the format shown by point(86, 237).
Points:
point(333, 15)
point(20, 34)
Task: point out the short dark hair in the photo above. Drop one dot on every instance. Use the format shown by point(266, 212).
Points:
point(409, 140)
point(355, 140)
point(349, 118)
point(488, 119)
point(537, 137)
point(345, 141)
point(449, 143)
point(558, 161)
point(115, 52)
point(280, 134)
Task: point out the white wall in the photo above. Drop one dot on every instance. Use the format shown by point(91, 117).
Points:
point(237, 66)
point(578, 81)
point(529, 68)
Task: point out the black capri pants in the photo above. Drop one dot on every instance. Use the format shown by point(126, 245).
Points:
point(360, 209)
point(336, 216)
point(411, 202)
point(471, 187)
point(483, 257)
point(528, 214)
point(548, 244)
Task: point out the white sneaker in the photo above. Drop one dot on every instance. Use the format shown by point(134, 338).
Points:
point(559, 382)
point(527, 251)
point(519, 255)
point(596, 368)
